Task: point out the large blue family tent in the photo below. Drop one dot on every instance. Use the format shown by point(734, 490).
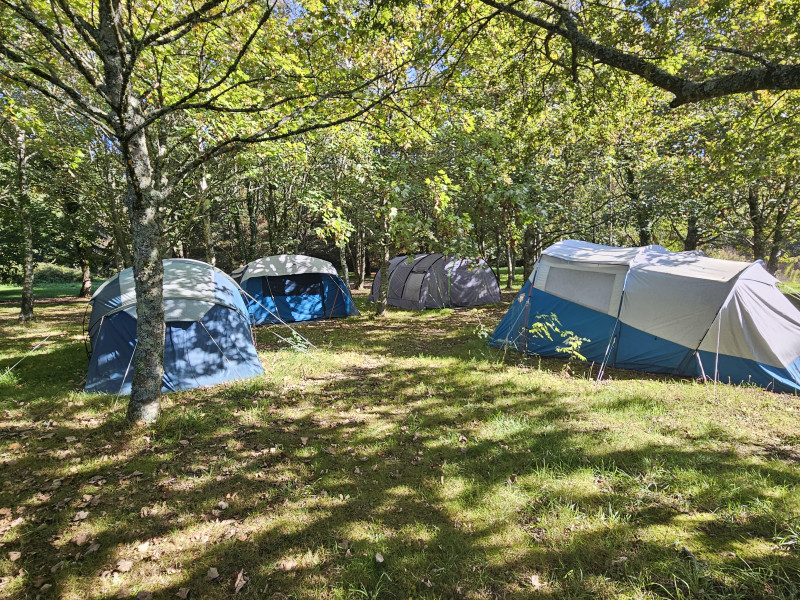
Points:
point(294, 287)
point(208, 338)
point(650, 309)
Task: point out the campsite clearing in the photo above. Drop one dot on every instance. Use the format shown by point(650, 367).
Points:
point(404, 458)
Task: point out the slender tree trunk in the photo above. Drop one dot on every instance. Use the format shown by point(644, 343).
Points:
point(530, 249)
point(510, 259)
point(26, 226)
point(252, 215)
point(343, 260)
point(205, 203)
point(383, 291)
point(26, 310)
point(759, 238)
point(86, 278)
point(148, 274)
point(776, 248)
point(692, 239)
point(359, 257)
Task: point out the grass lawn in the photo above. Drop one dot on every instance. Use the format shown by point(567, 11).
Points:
point(402, 459)
point(13, 293)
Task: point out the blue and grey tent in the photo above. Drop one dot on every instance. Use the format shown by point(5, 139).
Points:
point(208, 338)
point(650, 309)
point(294, 287)
point(437, 281)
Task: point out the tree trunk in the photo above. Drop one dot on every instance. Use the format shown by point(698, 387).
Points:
point(530, 249)
point(359, 258)
point(148, 274)
point(86, 277)
point(208, 240)
point(383, 291)
point(343, 261)
point(776, 248)
point(26, 310)
point(252, 215)
point(510, 259)
point(759, 239)
point(26, 226)
point(692, 239)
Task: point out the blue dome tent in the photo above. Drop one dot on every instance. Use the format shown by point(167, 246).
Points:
point(293, 287)
point(649, 309)
point(208, 338)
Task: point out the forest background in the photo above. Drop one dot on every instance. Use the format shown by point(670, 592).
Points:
point(231, 130)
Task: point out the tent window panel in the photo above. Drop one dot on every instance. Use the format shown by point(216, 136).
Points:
point(307, 284)
point(413, 286)
point(588, 288)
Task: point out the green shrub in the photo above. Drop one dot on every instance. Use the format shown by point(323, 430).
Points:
point(51, 273)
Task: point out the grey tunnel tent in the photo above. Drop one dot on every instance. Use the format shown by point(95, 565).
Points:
point(437, 281)
point(207, 341)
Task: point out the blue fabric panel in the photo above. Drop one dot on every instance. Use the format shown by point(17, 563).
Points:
point(106, 301)
point(113, 341)
point(281, 296)
point(226, 292)
point(733, 369)
point(337, 299)
point(215, 350)
point(641, 351)
point(510, 326)
point(585, 322)
point(634, 349)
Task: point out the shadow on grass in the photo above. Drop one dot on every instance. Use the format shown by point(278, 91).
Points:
point(469, 480)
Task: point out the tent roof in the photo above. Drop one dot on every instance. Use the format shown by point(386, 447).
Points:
point(287, 264)
point(653, 259)
point(186, 282)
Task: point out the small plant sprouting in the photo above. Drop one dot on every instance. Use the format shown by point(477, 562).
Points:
point(545, 326)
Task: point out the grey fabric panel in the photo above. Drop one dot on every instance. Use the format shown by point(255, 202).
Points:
point(472, 282)
point(179, 309)
point(437, 288)
point(424, 262)
point(287, 264)
point(758, 322)
point(672, 306)
point(413, 286)
point(587, 288)
point(105, 300)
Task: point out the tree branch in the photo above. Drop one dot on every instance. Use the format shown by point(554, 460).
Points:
point(768, 77)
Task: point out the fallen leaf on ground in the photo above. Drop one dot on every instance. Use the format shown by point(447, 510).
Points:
point(222, 504)
point(212, 573)
point(183, 593)
point(378, 557)
point(304, 440)
point(14, 556)
point(93, 548)
point(124, 565)
point(80, 515)
point(241, 581)
point(287, 564)
point(143, 595)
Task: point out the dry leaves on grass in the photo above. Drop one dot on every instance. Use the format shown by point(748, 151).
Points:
point(124, 565)
point(212, 574)
point(241, 581)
